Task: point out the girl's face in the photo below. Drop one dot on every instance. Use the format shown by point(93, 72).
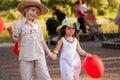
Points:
point(31, 13)
point(70, 31)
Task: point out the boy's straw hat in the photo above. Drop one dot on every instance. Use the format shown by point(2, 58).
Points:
point(43, 9)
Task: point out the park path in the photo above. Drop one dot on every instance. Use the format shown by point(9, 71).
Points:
point(9, 65)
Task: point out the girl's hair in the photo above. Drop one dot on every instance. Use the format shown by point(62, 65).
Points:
point(62, 33)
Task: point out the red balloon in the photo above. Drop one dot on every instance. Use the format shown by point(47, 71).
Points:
point(2, 25)
point(93, 66)
point(15, 49)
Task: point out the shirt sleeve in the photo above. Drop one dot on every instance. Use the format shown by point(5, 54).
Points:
point(17, 31)
point(41, 34)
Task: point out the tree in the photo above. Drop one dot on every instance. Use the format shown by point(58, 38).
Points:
point(8, 4)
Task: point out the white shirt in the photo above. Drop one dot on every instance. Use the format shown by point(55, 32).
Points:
point(29, 37)
point(83, 7)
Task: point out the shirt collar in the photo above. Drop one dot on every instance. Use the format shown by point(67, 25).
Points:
point(24, 20)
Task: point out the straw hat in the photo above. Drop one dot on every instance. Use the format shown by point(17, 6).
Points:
point(43, 9)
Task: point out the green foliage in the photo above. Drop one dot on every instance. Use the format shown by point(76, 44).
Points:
point(8, 4)
point(95, 11)
point(4, 37)
point(10, 15)
point(109, 27)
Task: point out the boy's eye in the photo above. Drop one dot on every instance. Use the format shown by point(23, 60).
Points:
point(33, 10)
point(37, 12)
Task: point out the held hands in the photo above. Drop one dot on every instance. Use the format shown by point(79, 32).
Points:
point(53, 56)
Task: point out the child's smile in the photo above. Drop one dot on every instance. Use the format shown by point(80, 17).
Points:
point(32, 13)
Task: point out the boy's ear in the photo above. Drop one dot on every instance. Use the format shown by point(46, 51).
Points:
point(24, 11)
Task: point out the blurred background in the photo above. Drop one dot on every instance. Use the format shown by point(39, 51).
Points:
point(104, 10)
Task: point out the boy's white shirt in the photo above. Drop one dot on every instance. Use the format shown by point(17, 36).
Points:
point(30, 44)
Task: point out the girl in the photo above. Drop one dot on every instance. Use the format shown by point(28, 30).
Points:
point(68, 43)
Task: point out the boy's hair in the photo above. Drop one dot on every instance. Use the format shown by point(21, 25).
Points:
point(62, 33)
point(24, 13)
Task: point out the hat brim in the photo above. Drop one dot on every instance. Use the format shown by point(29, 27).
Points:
point(43, 9)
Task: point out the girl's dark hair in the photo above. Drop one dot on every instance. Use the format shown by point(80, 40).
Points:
point(62, 33)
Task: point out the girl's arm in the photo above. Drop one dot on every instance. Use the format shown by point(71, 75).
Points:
point(58, 46)
point(81, 51)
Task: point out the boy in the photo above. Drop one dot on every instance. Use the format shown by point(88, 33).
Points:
point(31, 42)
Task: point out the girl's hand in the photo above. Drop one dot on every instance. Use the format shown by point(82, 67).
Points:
point(53, 56)
point(88, 55)
point(9, 29)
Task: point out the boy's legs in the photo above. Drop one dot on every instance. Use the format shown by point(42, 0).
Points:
point(41, 70)
point(26, 69)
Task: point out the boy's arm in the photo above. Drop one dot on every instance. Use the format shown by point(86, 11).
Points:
point(46, 48)
point(10, 31)
point(53, 56)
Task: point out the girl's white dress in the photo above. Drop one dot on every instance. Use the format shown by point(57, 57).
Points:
point(70, 63)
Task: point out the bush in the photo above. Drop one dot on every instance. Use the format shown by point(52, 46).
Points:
point(10, 15)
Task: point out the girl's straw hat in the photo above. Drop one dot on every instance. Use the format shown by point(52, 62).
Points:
point(21, 6)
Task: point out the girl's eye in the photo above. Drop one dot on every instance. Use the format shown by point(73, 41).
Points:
point(71, 28)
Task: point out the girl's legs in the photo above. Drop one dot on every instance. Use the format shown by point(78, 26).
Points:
point(26, 69)
point(41, 70)
point(77, 70)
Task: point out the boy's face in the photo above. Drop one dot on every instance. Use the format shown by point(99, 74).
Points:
point(31, 13)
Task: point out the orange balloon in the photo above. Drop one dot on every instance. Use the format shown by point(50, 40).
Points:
point(93, 66)
point(2, 25)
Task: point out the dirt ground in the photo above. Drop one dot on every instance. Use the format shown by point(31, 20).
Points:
point(9, 65)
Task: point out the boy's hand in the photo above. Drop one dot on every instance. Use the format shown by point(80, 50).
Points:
point(53, 56)
point(9, 29)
